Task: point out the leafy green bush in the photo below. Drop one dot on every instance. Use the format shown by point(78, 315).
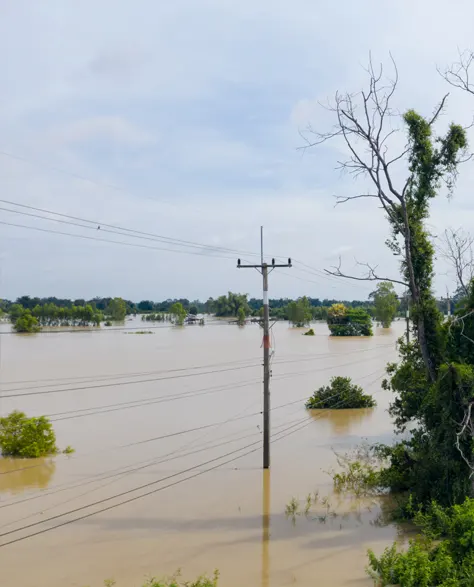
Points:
point(445, 563)
point(26, 323)
point(21, 436)
point(309, 333)
point(343, 321)
point(340, 394)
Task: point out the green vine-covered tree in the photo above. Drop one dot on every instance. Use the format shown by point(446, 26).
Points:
point(433, 380)
point(344, 321)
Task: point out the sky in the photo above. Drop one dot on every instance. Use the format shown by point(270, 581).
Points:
point(183, 119)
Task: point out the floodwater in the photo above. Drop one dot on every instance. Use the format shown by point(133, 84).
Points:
point(124, 401)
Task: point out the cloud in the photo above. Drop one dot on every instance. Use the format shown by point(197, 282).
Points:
point(185, 116)
point(113, 129)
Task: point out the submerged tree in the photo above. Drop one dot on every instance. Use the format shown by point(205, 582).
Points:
point(339, 395)
point(366, 122)
point(26, 322)
point(178, 312)
point(21, 436)
point(343, 321)
point(241, 317)
point(117, 309)
point(299, 312)
point(230, 304)
point(386, 303)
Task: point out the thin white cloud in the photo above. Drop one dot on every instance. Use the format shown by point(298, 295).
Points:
point(113, 129)
point(199, 104)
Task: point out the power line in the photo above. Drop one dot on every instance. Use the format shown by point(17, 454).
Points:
point(186, 395)
point(289, 430)
point(111, 376)
point(113, 229)
point(120, 375)
point(121, 383)
point(122, 231)
point(132, 232)
point(118, 471)
point(83, 236)
point(124, 493)
point(163, 399)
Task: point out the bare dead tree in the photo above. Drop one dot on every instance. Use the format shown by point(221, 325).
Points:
point(364, 122)
point(458, 74)
point(458, 249)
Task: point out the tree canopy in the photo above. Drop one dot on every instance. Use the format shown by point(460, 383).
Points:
point(117, 309)
point(344, 321)
point(178, 312)
point(21, 436)
point(386, 303)
point(229, 305)
point(299, 312)
point(340, 394)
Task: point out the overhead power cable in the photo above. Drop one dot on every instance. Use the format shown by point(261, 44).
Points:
point(280, 435)
point(122, 383)
point(114, 228)
point(104, 240)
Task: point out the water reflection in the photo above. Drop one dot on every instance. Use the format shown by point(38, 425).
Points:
point(18, 475)
point(266, 528)
point(342, 422)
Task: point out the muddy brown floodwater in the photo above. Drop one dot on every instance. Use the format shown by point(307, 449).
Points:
point(122, 400)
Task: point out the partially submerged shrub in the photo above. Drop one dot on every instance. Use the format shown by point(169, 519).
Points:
point(343, 321)
point(445, 563)
point(21, 436)
point(340, 394)
point(26, 323)
point(359, 472)
point(175, 581)
point(309, 333)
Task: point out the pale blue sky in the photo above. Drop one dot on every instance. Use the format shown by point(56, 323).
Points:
point(193, 109)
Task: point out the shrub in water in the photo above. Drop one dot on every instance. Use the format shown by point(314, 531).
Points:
point(344, 321)
point(340, 394)
point(174, 581)
point(21, 436)
point(26, 323)
point(309, 333)
point(443, 555)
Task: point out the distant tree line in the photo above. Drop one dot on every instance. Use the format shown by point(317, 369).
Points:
point(29, 314)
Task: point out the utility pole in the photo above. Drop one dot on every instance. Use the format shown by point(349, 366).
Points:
point(448, 304)
point(263, 269)
point(408, 325)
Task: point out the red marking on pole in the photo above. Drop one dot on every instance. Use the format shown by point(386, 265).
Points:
point(266, 341)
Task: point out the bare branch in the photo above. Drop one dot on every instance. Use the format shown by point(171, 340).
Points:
point(439, 110)
point(467, 422)
point(458, 74)
point(344, 199)
point(458, 250)
point(371, 275)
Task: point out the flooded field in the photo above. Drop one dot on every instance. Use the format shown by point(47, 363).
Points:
point(176, 414)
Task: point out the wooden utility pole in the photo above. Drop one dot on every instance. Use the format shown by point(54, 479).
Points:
point(408, 325)
point(263, 269)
